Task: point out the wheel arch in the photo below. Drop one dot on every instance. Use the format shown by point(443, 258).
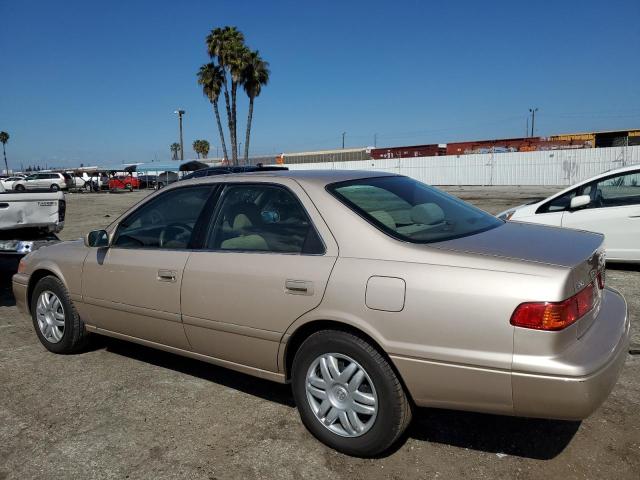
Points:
point(305, 330)
point(35, 277)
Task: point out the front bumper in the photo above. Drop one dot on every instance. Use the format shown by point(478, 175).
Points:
point(20, 283)
point(603, 348)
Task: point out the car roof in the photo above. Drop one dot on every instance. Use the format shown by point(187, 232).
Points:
point(318, 177)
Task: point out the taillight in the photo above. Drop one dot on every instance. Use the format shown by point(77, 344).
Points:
point(62, 210)
point(555, 315)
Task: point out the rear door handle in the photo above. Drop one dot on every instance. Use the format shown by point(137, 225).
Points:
point(167, 276)
point(298, 287)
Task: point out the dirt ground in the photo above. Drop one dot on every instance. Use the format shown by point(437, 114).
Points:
point(125, 411)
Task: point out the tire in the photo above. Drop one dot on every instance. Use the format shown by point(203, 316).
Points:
point(54, 188)
point(74, 336)
point(19, 188)
point(378, 431)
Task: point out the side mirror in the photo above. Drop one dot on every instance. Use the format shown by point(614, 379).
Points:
point(97, 239)
point(580, 201)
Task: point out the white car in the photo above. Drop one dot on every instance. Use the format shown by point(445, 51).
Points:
point(8, 182)
point(53, 181)
point(608, 203)
point(89, 182)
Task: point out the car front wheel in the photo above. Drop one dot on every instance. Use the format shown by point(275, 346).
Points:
point(19, 188)
point(348, 395)
point(57, 324)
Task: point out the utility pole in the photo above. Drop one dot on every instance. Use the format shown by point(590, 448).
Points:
point(533, 119)
point(375, 140)
point(343, 134)
point(526, 131)
point(180, 113)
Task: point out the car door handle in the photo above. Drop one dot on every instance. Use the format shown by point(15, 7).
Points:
point(298, 287)
point(167, 276)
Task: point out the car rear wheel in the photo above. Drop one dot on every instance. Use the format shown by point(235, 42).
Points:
point(348, 395)
point(56, 321)
point(54, 188)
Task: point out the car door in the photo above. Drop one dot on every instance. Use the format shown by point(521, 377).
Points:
point(133, 286)
point(31, 182)
point(614, 211)
point(266, 260)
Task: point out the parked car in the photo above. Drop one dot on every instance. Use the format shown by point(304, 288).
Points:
point(209, 171)
point(166, 178)
point(8, 182)
point(608, 203)
point(123, 182)
point(53, 181)
point(148, 181)
point(368, 292)
point(28, 221)
point(90, 182)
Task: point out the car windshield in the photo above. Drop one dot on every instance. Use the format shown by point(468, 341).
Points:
point(412, 211)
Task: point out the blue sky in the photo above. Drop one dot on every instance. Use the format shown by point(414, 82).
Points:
point(97, 82)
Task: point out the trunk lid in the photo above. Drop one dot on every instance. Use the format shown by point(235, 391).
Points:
point(530, 243)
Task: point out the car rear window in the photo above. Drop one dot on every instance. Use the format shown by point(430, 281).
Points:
point(412, 211)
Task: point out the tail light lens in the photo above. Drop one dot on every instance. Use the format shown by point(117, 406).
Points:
point(62, 210)
point(556, 315)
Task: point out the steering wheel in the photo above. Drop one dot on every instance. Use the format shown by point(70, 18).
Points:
point(597, 198)
point(178, 228)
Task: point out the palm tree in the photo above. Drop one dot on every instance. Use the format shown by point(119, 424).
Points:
point(227, 46)
point(254, 75)
point(201, 147)
point(175, 148)
point(211, 77)
point(4, 138)
point(204, 148)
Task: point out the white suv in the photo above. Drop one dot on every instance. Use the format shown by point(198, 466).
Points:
point(44, 181)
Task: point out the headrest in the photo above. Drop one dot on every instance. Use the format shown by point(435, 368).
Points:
point(384, 218)
point(427, 214)
point(241, 222)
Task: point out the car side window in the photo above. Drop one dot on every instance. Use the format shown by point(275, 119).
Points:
point(263, 218)
point(558, 204)
point(167, 221)
point(617, 191)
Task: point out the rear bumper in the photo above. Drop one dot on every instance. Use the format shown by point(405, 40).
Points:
point(20, 285)
point(567, 386)
point(602, 351)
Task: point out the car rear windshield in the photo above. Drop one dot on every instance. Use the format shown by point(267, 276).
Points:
point(412, 211)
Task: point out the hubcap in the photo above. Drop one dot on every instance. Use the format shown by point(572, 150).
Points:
point(50, 316)
point(341, 395)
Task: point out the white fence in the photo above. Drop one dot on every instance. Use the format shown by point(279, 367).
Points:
point(551, 167)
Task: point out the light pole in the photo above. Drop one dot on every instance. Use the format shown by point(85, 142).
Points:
point(343, 134)
point(180, 113)
point(533, 119)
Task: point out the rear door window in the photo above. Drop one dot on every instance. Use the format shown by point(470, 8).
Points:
point(263, 218)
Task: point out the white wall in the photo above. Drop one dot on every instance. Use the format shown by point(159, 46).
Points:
point(552, 167)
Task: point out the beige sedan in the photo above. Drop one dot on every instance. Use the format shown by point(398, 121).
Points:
point(370, 293)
